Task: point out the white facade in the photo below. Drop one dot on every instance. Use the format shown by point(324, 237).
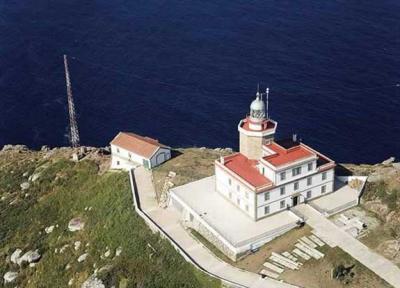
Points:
point(238, 193)
point(124, 159)
point(128, 150)
point(292, 192)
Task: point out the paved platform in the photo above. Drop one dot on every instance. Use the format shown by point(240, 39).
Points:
point(220, 214)
point(342, 198)
point(168, 221)
point(334, 236)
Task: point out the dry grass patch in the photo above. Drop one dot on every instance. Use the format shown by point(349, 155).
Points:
point(189, 164)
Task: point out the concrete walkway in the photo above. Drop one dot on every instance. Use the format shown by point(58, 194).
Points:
point(334, 236)
point(168, 220)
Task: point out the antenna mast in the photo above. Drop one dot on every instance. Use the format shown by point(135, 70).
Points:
point(74, 132)
point(267, 100)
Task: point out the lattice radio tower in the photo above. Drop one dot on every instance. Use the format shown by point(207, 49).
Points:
point(74, 132)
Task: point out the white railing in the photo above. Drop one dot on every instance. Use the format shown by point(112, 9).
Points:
point(155, 227)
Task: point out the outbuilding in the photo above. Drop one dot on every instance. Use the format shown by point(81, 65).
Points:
point(129, 150)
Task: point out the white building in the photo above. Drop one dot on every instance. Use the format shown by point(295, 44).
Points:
point(269, 176)
point(129, 150)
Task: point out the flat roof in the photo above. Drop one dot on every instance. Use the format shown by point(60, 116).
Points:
point(284, 155)
point(227, 219)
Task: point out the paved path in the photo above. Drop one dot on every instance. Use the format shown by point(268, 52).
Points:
point(168, 220)
point(334, 236)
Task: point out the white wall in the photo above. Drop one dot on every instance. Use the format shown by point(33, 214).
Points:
point(157, 158)
point(275, 197)
point(231, 192)
point(129, 159)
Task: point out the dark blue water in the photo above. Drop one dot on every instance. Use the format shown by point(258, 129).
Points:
point(186, 71)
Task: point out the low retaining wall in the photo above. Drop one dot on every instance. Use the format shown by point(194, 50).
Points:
point(156, 228)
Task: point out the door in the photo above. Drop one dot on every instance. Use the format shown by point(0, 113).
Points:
point(146, 164)
point(295, 200)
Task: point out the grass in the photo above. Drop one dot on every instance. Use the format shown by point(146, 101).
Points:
point(317, 273)
point(63, 192)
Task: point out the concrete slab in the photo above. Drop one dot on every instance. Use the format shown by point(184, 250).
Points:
point(220, 214)
point(344, 197)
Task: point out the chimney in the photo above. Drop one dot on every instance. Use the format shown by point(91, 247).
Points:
point(222, 160)
point(294, 137)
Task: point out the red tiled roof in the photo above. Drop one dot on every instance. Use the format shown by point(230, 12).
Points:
point(284, 156)
point(246, 169)
point(266, 124)
point(141, 145)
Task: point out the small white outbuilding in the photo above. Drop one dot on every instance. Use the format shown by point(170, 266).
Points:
point(129, 150)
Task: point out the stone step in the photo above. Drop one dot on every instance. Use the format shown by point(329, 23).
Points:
point(273, 267)
point(309, 242)
point(301, 254)
point(269, 274)
point(317, 240)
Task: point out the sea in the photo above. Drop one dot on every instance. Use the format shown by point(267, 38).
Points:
point(185, 72)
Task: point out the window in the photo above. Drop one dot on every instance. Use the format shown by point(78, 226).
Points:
point(283, 204)
point(310, 166)
point(230, 181)
point(296, 171)
point(324, 176)
point(323, 189)
point(247, 195)
point(230, 195)
point(129, 155)
point(266, 196)
point(238, 201)
point(117, 162)
point(296, 186)
point(263, 170)
point(238, 188)
point(282, 190)
point(117, 150)
point(247, 208)
point(308, 194)
point(309, 181)
point(283, 176)
point(266, 210)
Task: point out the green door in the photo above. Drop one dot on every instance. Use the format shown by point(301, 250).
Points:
point(146, 164)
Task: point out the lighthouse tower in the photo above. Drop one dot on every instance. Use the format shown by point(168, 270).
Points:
point(256, 129)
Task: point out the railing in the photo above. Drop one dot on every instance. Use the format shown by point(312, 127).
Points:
point(269, 234)
point(155, 227)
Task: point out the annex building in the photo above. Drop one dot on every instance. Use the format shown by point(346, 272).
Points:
point(128, 150)
point(248, 201)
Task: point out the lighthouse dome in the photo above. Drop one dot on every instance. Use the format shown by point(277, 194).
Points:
point(257, 109)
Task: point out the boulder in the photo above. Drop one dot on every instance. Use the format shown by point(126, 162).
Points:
point(49, 229)
point(70, 282)
point(390, 248)
point(15, 256)
point(107, 254)
point(25, 185)
point(82, 257)
point(17, 148)
point(118, 251)
point(171, 174)
point(93, 282)
point(76, 224)
point(30, 257)
point(77, 245)
point(34, 177)
point(389, 161)
point(10, 277)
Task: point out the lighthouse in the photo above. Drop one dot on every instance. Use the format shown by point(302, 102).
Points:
point(256, 129)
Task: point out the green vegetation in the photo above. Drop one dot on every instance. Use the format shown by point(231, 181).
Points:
point(190, 164)
point(65, 190)
point(381, 190)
